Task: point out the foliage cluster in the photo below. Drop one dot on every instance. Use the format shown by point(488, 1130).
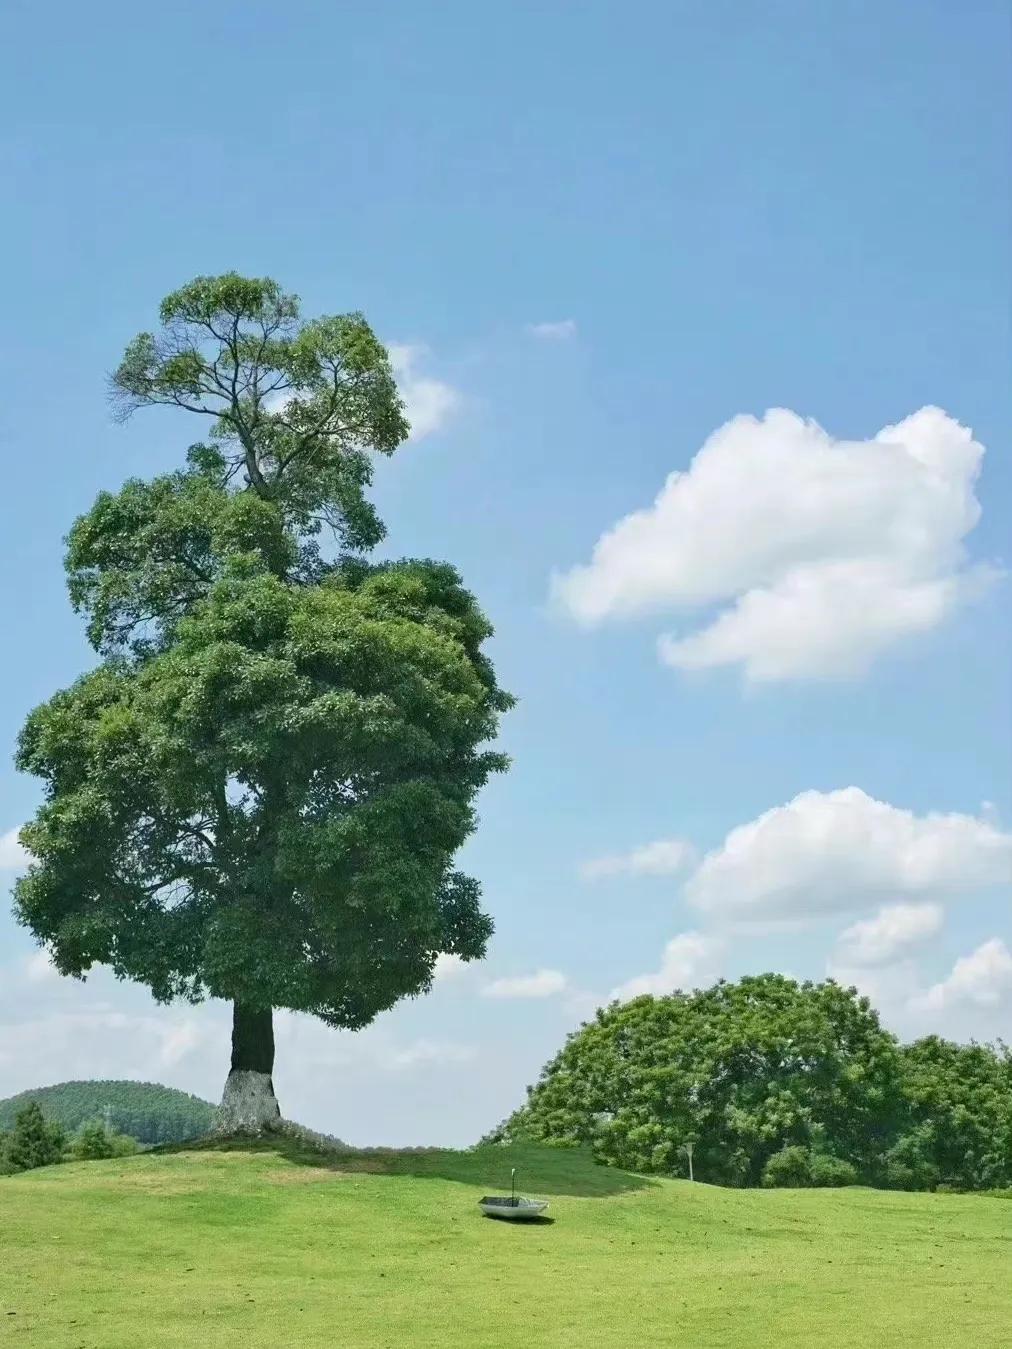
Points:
point(779, 1083)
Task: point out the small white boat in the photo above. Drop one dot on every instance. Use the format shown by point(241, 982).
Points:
point(511, 1207)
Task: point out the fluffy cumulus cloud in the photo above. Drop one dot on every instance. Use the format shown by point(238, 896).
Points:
point(664, 857)
point(894, 931)
point(808, 556)
point(542, 984)
point(429, 403)
point(982, 979)
point(841, 851)
point(559, 331)
point(690, 960)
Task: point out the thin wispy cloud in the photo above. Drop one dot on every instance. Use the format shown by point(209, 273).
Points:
point(664, 857)
point(983, 978)
point(542, 984)
point(561, 330)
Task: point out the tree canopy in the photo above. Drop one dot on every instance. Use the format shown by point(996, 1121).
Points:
point(959, 1125)
point(258, 794)
point(774, 1081)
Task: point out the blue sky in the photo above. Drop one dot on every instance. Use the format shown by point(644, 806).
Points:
point(595, 234)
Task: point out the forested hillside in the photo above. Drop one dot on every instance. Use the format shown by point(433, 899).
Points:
point(144, 1110)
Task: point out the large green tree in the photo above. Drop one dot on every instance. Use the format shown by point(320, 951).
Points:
point(740, 1071)
point(258, 794)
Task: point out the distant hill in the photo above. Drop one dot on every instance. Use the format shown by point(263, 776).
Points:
point(148, 1112)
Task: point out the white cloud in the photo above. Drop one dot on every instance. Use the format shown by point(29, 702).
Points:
point(94, 1041)
point(840, 851)
point(178, 1041)
point(689, 961)
point(983, 978)
point(447, 967)
point(13, 857)
point(664, 857)
point(427, 1053)
point(560, 331)
point(428, 403)
point(890, 934)
point(39, 968)
point(324, 1052)
point(824, 621)
point(542, 984)
point(824, 552)
point(889, 988)
point(581, 1003)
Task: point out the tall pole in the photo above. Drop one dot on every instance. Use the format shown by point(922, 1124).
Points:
point(688, 1151)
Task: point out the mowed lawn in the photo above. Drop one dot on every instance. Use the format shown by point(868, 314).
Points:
point(230, 1247)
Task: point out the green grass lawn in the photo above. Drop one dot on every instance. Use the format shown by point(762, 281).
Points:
point(229, 1247)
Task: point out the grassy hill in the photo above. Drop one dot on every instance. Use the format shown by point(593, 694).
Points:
point(145, 1110)
point(278, 1246)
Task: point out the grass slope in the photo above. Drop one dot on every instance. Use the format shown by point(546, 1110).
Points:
point(222, 1247)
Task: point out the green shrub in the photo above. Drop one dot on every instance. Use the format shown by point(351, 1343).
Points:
point(790, 1167)
point(797, 1167)
point(910, 1164)
point(123, 1145)
point(94, 1142)
point(832, 1171)
point(91, 1143)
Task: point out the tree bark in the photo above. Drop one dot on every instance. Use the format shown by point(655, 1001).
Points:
point(248, 1104)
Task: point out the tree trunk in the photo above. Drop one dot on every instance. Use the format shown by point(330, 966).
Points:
point(248, 1104)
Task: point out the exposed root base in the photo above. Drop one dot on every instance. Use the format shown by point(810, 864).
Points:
point(248, 1104)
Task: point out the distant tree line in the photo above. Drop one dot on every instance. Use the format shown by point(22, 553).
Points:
point(36, 1141)
point(143, 1110)
point(772, 1082)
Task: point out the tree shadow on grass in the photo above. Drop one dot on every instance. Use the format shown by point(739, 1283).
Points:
point(541, 1170)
